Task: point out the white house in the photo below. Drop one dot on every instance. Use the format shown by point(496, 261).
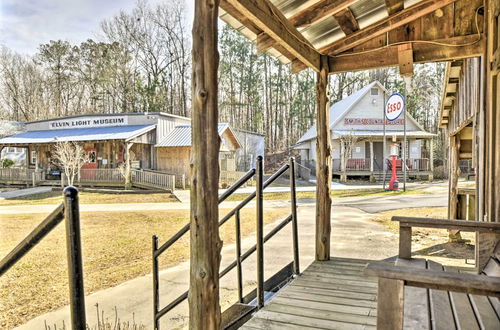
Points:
point(361, 115)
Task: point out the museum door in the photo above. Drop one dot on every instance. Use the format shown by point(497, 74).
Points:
point(378, 156)
point(91, 155)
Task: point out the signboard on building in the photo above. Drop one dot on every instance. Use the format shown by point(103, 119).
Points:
point(394, 107)
point(88, 122)
point(371, 121)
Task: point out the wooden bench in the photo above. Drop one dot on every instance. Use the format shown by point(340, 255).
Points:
point(421, 294)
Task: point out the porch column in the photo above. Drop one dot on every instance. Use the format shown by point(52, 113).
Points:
point(204, 308)
point(323, 165)
point(371, 156)
point(431, 159)
point(453, 184)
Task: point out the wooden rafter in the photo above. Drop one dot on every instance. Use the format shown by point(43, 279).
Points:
point(319, 11)
point(228, 8)
point(422, 53)
point(272, 22)
point(347, 21)
point(399, 19)
point(394, 6)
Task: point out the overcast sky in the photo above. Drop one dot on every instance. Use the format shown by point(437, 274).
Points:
point(24, 24)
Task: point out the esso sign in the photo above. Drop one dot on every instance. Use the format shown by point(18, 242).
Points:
point(394, 106)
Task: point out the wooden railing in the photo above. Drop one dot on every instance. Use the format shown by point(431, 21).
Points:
point(153, 179)
point(358, 164)
point(100, 175)
point(418, 164)
point(21, 174)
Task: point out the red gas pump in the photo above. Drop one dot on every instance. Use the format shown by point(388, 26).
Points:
point(394, 183)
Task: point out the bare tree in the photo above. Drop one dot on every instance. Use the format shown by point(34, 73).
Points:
point(70, 156)
point(347, 143)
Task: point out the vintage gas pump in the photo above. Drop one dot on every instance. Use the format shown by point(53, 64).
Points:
point(394, 183)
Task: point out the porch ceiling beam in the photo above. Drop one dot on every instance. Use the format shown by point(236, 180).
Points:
point(394, 6)
point(270, 20)
point(392, 22)
point(319, 11)
point(308, 15)
point(422, 53)
point(228, 8)
point(347, 21)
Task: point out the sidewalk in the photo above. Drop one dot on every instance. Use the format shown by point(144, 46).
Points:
point(23, 192)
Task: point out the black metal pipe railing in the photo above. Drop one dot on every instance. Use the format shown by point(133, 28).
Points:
point(230, 267)
point(295, 225)
point(259, 190)
point(69, 210)
point(33, 238)
point(259, 246)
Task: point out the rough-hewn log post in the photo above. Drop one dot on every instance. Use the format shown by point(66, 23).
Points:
point(204, 308)
point(453, 185)
point(323, 165)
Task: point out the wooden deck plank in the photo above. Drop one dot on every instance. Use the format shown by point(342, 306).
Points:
point(289, 319)
point(462, 308)
point(356, 310)
point(441, 310)
point(320, 312)
point(416, 308)
point(335, 286)
point(290, 293)
point(487, 316)
point(331, 294)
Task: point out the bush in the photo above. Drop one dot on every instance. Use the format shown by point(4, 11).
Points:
point(6, 163)
point(440, 172)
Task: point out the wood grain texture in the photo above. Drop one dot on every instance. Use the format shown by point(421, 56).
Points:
point(383, 26)
point(318, 11)
point(204, 308)
point(271, 21)
point(323, 165)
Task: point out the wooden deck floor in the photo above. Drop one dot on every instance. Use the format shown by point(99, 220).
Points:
point(331, 294)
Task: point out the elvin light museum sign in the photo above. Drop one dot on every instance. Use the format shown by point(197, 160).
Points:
point(88, 122)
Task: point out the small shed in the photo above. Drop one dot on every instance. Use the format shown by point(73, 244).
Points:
point(174, 151)
point(252, 145)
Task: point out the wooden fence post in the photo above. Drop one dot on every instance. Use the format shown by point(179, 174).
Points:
point(323, 165)
point(204, 307)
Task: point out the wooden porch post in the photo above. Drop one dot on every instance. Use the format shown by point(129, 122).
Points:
point(371, 156)
point(204, 308)
point(431, 159)
point(323, 165)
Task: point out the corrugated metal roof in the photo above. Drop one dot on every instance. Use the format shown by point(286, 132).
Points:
point(180, 136)
point(338, 109)
point(325, 30)
point(78, 134)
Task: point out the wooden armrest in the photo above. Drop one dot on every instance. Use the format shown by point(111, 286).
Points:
point(439, 280)
point(463, 225)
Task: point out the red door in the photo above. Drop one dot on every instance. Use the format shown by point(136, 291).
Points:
point(91, 155)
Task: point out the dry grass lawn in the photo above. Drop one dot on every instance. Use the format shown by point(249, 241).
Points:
point(54, 197)
point(116, 248)
point(431, 243)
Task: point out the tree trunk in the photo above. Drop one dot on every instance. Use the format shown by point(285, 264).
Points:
point(204, 308)
point(323, 166)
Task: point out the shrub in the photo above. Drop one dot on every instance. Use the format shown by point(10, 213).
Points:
point(6, 163)
point(440, 172)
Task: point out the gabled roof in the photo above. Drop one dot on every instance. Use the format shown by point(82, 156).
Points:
point(180, 136)
point(340, 109)
point(79, 134)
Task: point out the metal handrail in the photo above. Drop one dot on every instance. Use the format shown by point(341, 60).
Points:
point(258, 247)
point(68, 210)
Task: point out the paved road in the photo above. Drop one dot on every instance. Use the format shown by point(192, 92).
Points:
point(372, 204)
point(23, 192)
